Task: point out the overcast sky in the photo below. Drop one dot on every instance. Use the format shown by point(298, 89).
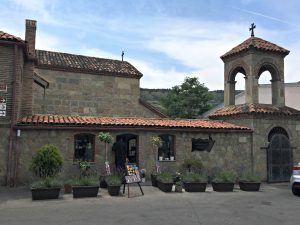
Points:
point(165, 40)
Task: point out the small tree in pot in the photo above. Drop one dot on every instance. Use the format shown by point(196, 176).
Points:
point(156, 142)
point(87, 184)
point(46, 164)
point(106, 138)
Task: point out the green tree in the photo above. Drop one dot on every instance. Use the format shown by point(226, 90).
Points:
point(188, 100)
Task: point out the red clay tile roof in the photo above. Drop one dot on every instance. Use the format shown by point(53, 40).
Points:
point(8, 37)
point(257, 43)
point(126, 122)
point(264, 109)
point(85, 64)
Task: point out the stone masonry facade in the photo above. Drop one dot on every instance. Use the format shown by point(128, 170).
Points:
point(229, 149)
point(83, 94)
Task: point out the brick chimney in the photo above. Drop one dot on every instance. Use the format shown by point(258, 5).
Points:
point(28, 69)
point(30, 37)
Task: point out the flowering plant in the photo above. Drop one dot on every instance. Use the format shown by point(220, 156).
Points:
point(143, 173)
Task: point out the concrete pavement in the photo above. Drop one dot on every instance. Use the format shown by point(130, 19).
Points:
point(273, 205)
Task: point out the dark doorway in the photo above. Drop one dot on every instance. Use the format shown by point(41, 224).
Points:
point(279, 155)
point(131, 141)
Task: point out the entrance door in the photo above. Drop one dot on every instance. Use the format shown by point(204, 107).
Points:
point(280, 161)
point(131, 141)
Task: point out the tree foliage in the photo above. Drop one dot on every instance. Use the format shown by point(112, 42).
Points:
point(188, 100)
point(47, 162)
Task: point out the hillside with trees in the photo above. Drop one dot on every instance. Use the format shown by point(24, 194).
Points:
point(155, 96)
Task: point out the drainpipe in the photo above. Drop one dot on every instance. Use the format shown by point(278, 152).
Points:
point(9, 180)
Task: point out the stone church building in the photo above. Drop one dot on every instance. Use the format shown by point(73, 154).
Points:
point(66, 99)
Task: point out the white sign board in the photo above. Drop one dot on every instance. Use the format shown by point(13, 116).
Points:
point(2, 113)
point(2, 106)
point(2, 100)
point(3, 87)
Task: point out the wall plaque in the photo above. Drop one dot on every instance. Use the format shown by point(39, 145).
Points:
point(2, 106)
point(2, 100)
point(3, 87)
point(2, 113)
point(202, 144)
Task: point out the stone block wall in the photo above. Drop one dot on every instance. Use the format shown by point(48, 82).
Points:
point(231, 150)
point(262, 126)
point(89, 95)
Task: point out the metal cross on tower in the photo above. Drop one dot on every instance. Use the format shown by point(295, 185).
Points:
point(122, 55)
point(253, 26)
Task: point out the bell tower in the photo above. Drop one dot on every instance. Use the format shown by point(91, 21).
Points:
point(251, 58)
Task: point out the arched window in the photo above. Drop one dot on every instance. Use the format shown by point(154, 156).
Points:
point(277, 130)
point(167, 149)
point(84, 145)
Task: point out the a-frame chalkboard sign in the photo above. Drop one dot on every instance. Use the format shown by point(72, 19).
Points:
point(133, 176)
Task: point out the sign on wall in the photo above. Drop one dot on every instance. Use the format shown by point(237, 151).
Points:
point(2, 106)
point(202, 144)
point(3, 87)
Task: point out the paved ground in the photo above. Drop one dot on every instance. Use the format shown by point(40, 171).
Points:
point(273, 205)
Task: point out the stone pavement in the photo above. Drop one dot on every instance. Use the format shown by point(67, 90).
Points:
point(273, 205)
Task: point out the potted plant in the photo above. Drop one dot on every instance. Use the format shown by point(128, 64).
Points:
point(156, 142)
point(106, 138)
point(45, 188)
point(249, 182)
point(114, 183)
point(178, 186)
point(194, 182)
point(46, 164)
point(143, 175)
point(192, 165)
point(165, 181)
point(85, 186)
point(68, 187)
point(224, 181)
point(103, 183)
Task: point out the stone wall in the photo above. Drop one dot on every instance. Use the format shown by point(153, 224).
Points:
point(89, 95)
point(231, 150)
point(262, 126)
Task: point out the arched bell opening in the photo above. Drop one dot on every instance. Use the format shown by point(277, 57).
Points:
point(277, 84)
point(235, 81)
